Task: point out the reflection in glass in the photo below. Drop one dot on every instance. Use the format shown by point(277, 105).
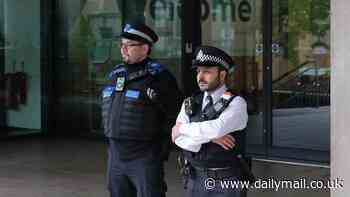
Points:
point(20, 72)
point(300, 70)
point(235, 27)
point(89, 49)
point(301, 75)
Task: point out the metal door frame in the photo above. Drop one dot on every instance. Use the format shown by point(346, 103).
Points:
point(192, 34)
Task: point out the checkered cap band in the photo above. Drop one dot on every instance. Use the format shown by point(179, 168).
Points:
point(201, 57)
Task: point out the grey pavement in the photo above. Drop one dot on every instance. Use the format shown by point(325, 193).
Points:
point(76, 168)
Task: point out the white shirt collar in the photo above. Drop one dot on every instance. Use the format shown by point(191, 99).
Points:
point(216, 94)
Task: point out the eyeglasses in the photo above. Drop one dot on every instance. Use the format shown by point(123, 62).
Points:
point(129, 45)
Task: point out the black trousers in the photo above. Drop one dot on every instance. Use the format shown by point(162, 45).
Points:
point(141, 177)
point(212, 184)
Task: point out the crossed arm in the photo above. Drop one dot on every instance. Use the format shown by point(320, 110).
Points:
point(191, 135)
point(227, 141)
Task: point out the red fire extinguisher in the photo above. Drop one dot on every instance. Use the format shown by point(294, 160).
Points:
point(15, 88)
point(2, 90)
point(11, 98)
point(21, 78)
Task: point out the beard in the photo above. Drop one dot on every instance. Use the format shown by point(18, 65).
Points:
point(209, 86)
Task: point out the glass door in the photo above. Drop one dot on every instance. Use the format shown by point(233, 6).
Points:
point(88, 49)
point(281, 48)
point(2, 68)
point(236, 27)
point(301, 79)
point(162, 16)
point(20, 69)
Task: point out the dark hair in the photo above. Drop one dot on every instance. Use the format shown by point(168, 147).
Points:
point(222, 68)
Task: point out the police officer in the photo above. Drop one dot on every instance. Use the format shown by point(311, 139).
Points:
point(139, 106)
point(209, 127)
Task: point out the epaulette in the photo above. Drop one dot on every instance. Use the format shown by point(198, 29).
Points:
point(117, 69)
point(154, 68)
point(227, 95)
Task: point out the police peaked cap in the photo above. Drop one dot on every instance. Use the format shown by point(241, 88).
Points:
point(139, 32)
point(212, 56)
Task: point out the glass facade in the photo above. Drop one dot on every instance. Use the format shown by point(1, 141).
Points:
point(88, 46)
point(296, 123)
point(236, 27)
point(20, 73)
point(299, 75)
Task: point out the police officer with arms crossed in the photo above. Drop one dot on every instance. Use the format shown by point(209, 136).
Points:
point(210, 125)
point(139, 107)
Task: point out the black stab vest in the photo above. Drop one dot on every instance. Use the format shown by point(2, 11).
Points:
point(128, 118)
point(212, 155)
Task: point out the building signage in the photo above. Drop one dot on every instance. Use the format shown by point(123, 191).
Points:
point(222, 10)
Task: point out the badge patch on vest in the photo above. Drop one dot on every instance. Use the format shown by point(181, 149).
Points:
point(107, 92)
point(120, 84)
point(135, 94)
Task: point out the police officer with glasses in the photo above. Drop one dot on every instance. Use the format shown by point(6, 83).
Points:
point(139, 107)
point(209, 127)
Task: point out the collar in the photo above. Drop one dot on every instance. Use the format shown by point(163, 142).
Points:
point(137, 66)
point(216, 94)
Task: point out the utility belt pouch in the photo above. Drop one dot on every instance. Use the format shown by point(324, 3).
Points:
point(185, 169)
point(245, 164)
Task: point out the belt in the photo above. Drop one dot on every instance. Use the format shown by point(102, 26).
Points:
point(217, 173)
point(212, 169)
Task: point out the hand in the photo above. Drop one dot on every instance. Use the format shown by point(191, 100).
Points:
point(175, 132)
point(227, 142)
